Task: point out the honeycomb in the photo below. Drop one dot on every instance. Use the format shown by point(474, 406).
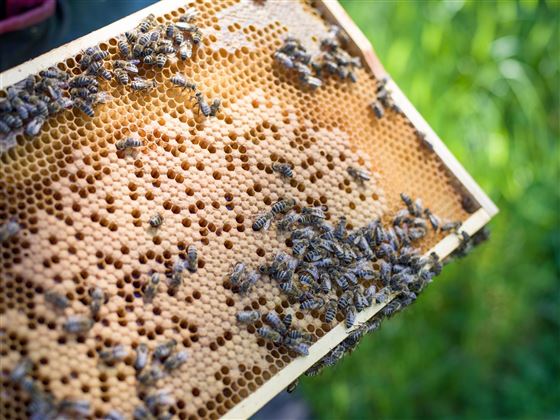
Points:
point(84, 212)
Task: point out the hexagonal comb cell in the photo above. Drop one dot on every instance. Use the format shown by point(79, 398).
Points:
point(75, 278)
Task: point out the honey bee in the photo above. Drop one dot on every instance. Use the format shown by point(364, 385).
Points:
point(160, 398)
point(128, 143)
point(161, 59)
point(331, 310)
point(215, 107)
point(146, 24)
point(140, 84)
point(122, 76)
point(58, 300)
point(468, 204)
point(192, 258)
point(269, 334)
point(185, 50)
point(360, 301)
point(142, 413)
point(247, 283)
point(350, 318)
point(248, 317)
point(176, 360)
point(170, 30)
point(377, 109)
point(345, 300)
point(283, 169)
point(202, 104)
point(5, 105)
point(131, 36)
point(166, 49)
point(292, 387)
point(302, 69)
point(196, 36)
point(128, 65)
point(4, 128)
point(97, 299)
point(41, 106)
point(8, 230)
point(178, 38)
point(237, 272)
point(179, 80)
point(434, 221)
point(299, 248)
point(312, 82)
point(114, 415)
point(284, 60)
point(263, 221)
point(22, 369)
point(451, 226)
point(156, 220)
point(300, 348)
point(358, 174)
point(77, 324)
point(85, 107)
point(138, 50)
point(282, 206)
point(287, 221)
point(165, 349)
point(272, 319)
point(150, 60)
point(13, 121)
point(185, 26)
point(326, 283)
point(20, 108)
point(34, 126)
point(190, 14)
point(79, 408)
point(152, 375)
point(141, 357)
point(382, 296)
point(312, 304)
point(287, 320)
point(176, 279)
point(123, 46)
point(114, 354)
point(99, 55)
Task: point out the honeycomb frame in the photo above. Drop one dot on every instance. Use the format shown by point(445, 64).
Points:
point(294, 367)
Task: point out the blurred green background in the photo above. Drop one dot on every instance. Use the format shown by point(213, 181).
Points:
point(483, 340)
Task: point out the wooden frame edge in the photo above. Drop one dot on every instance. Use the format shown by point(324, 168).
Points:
point(296, 368)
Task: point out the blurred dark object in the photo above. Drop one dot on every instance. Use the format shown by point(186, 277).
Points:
point(69, 20)
point(21, 14)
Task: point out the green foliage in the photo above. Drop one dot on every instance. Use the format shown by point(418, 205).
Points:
point(483, 340)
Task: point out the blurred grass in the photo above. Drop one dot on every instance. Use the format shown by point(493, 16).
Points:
point(483, 340)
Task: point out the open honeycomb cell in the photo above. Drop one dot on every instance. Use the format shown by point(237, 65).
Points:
point(84, 211)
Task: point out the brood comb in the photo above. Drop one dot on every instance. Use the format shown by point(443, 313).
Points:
point(89, 227)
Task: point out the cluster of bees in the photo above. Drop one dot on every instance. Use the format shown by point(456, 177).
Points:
point(28, 104)
point(155, 44)
point(164, 361)
point(332, 271)
point(332, 60)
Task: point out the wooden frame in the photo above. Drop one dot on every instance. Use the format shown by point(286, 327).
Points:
point(336, 14)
